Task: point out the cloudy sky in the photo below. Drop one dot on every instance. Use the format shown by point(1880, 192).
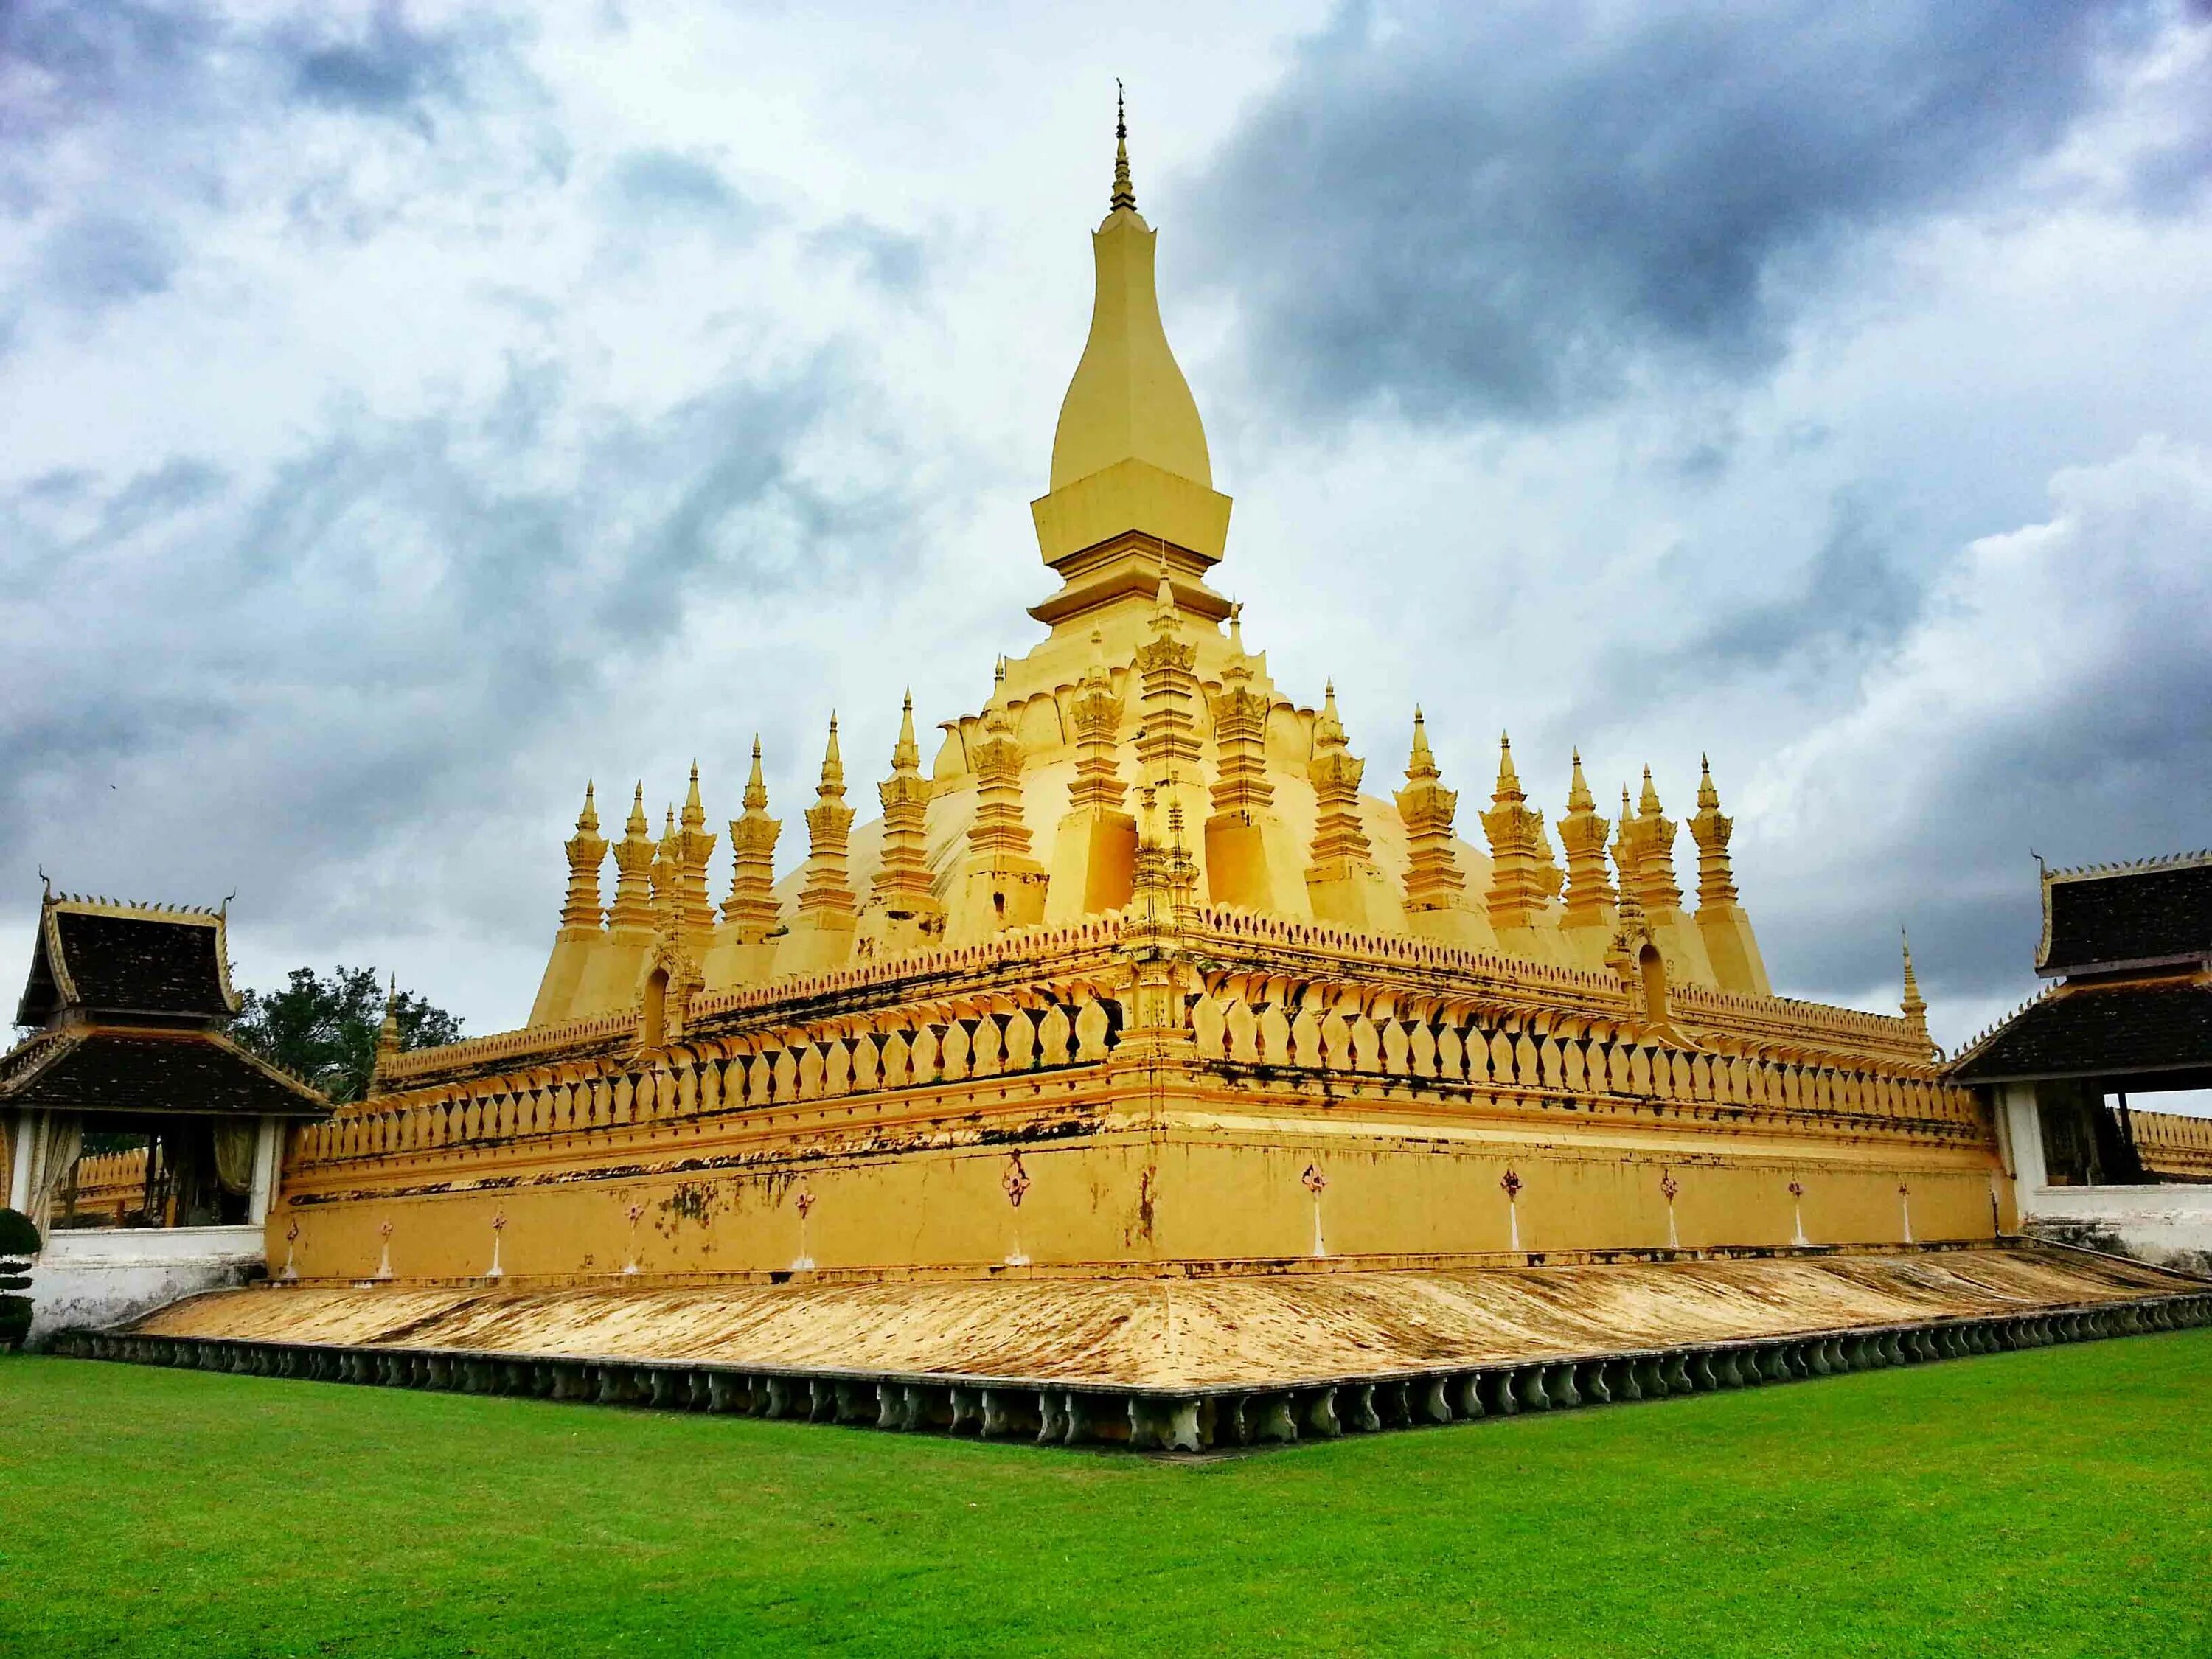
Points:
point(411, 411)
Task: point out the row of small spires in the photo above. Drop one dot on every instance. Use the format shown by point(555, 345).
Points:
point(2167, 861)
point(1526, 875)
point(1967, 1049)
point(53, 898)
point(905, 760)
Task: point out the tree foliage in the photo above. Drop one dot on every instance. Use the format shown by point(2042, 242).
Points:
point(324, 1028)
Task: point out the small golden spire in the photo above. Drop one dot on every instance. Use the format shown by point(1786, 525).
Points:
point(695, 812)
point(1237, 627)
point(906, 754)
point(1707, 795)
point(588, 821)
point(638, 824)
point(387, 1038)
point(833, 763)
point(1648, 803)
point(1125, 194)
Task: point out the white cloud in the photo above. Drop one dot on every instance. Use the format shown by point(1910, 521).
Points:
point(441, 452)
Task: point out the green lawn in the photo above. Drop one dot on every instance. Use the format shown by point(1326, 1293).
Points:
point(2055, 1501)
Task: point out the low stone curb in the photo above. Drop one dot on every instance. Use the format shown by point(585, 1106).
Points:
point(1149, 1418)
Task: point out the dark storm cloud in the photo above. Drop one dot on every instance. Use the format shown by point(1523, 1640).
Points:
point(362, 640)
point(64, 61)
point(388, 67)
point(1509, 211)
point(1854, 596)
point(2051, 693)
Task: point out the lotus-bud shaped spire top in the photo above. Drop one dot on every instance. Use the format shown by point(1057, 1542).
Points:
point(1423, 765)
point(1579, 795)
point(755, 795)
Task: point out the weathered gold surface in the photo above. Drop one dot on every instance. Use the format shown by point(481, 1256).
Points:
point(1236, 1329)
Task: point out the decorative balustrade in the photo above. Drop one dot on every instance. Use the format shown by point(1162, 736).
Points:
point(1356, 1029)
point(974, 1037)
point(1271, 993)
point(106, 1186)
point(2171, 1145)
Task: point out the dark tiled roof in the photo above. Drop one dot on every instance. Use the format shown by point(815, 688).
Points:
point(90, 1070)
point(118, 960)
point(2109, 1031)
point(2153, 913)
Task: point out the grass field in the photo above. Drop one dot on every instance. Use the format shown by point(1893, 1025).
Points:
point(2055, 1501)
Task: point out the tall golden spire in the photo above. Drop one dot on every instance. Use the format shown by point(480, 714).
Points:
point(1434, 881)
point(1098, 717)
point(586, 851)
point(828, 822)
point(695, 845)
point(1129, 399)
point(387, 1035)
point(633, 905)
point(1339, 837)
point(1581, 832)
point(1521, 880)
point(751, 906)
point(902, 881)
point(1915, 1007)
point(1710, 830)
point(1650, 838)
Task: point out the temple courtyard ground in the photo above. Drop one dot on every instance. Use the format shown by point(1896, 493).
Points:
point(2053, 1501)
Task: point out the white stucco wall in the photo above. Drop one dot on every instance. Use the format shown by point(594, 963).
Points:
point(100, 1276)
point(2168, 1225)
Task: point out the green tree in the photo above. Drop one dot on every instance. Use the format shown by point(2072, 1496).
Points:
point(324, 1028)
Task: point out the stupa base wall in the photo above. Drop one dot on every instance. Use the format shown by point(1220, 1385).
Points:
point(1184, 1366)
point(1130, 1166)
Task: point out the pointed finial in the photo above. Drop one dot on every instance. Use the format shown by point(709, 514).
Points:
point(1125, 194)
point(387, 1034)
point(1914, 1004)
point(1578, 794)
point(1509, 780)
point(1237, 627)
point(695, 813)
point(1648, 802)
point(1165, 614)
point(756, 796)
point(638, 824)
point(1707, 795)
point(833, 763)
point(1423, 765)
point(588, 821)
point(1328, 727)
point(906, 754)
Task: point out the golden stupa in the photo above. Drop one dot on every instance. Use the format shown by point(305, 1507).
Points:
point(1134, 1046)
